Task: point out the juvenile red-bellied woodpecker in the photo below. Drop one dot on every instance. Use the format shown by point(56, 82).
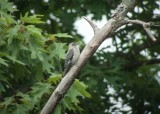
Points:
point(72, 56)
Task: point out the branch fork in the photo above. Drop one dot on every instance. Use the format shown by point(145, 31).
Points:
point(146, 27)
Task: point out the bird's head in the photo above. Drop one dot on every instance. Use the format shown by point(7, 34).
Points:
point(71, 45)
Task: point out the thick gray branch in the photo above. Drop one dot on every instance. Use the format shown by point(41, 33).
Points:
point(87, 52)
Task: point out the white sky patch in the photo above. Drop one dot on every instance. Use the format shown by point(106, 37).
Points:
point(48, 21)
point(14, 6)
point(52, 16)
point(157, 77)
point(46, 1)
point(138, 9)
point(157, 11)
point(32, 11)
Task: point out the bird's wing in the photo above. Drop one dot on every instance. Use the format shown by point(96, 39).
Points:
point(68, 61)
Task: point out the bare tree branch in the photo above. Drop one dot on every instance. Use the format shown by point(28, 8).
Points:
point(145, 26)
point(94, 26)
point(150, 34)
point(88, 51)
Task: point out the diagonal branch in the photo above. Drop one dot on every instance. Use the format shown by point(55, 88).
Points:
point(149, 33)
point(88, 51)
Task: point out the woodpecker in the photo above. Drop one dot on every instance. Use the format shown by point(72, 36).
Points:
point(72, 56)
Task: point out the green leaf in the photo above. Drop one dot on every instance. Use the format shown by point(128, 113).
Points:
point(77, 89)
point(58, 50)
point(7, 6)
point(115, 82)
point(6, 20)
point(39, 71)
point(55, 78)
point(7, 101)
point(51, 37)
point(81, 87)
point(3, 62)
point(58, 109)
point(34, 19)
point(38, 90)
point(47, 66)
point(63, 35)
point(3, 79)
point(1, 88)
point(20, 109)
point(68, 103)
point(3, 111)
point(12, 33)
point(26, 100)
point(34, 31)
point(15, 60)
point(70, 100)
point(36, 48)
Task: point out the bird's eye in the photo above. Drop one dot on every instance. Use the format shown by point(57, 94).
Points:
point(73, 44)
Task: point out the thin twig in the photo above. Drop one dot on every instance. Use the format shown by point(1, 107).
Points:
point(145, 26)
point(150, 34)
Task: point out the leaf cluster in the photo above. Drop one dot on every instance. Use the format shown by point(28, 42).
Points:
point(30, 64)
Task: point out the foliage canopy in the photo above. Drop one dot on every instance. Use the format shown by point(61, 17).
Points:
point(31, 53)
point(30, 63)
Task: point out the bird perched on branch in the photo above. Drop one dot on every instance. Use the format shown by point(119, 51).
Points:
point(72, 56)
